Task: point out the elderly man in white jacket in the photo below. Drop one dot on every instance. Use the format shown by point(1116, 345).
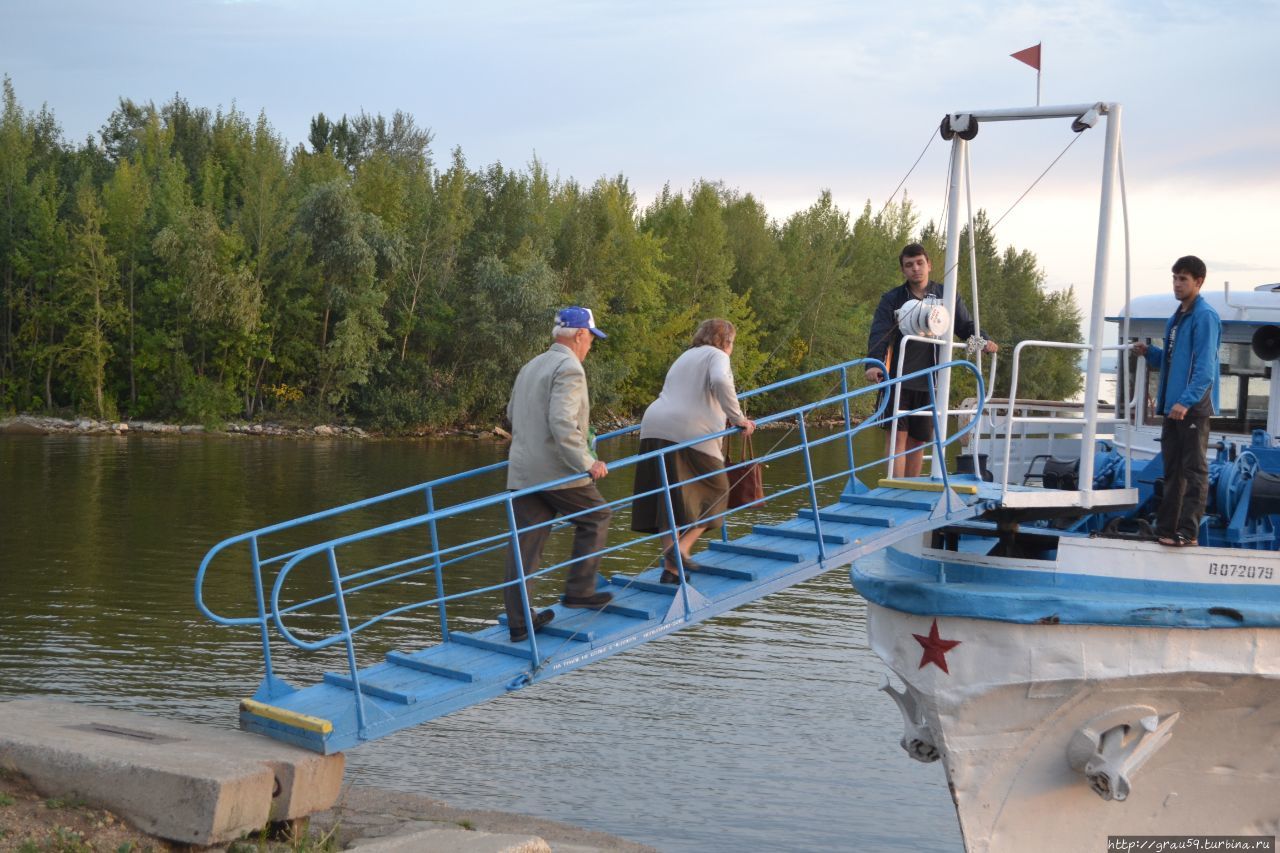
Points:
point(550, 420)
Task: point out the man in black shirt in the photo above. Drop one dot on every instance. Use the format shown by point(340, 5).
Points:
point(884, 342)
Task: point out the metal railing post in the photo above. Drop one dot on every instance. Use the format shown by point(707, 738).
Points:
point(262, 608)
point(848, 429)
point(1098, 311)
point(435, 549)
point(675, 534)
point(1013, 418)
point(939, 451)
point(893, 426)
point(347, 637)
point(524, 590)
point(813, 491)
point(724, 522)
point(951, 267)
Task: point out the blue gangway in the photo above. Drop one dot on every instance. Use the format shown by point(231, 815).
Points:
point(383, 691)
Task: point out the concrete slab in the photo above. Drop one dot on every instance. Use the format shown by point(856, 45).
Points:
point(186, 782)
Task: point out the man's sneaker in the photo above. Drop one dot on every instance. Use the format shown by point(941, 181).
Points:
point(589, 602)
point(520, 633)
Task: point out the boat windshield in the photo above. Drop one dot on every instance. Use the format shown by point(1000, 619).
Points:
point(1243, 391)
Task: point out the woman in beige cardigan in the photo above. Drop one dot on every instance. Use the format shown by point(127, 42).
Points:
point(698, 397)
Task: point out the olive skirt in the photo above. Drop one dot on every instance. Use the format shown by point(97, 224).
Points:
point(691, 502)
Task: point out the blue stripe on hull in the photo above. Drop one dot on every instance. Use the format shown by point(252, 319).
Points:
point(915, 585)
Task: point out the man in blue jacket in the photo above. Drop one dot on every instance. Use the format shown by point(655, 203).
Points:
point(1188, 365)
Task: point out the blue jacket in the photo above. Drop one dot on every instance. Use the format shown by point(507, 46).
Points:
point(1193, 369)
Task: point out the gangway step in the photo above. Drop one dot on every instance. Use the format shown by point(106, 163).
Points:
point(519, 650)
point(553, 629)
point(804, 533)
point(839, 517)
point(628, 610)
point(754, 551)
point(924, 485)
point(412, 662)
point(633, 582)
point(888, 503)
point(731, 572)
point(335, 680)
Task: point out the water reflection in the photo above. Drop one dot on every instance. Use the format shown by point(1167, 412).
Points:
point(760, 729)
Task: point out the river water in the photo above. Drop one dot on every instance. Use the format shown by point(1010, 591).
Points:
point(761, 729)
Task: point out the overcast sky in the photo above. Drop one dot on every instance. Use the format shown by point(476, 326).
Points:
point(781, 100)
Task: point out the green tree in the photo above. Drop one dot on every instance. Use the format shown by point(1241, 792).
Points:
point(94, 311)
point(818, 247)
point(354, 255)
point(126, 199)
point(222, 299)
point(263, 216)
point(39, 262)
point(614, 267)
point(16, 149)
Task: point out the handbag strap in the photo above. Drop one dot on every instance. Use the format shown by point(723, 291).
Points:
point(747, 451)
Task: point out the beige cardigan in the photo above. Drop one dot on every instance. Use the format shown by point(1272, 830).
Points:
point(550, 414)
point(697, 398)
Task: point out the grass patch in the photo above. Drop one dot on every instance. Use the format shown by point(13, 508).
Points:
point(468, 825)
point(286, 840)
point(6, 800)
point(68, 802)
point(66, 840)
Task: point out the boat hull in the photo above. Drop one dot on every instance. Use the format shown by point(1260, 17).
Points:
point(1008, 713)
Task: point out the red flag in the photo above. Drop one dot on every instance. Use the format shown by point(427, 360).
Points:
point(1030, 56)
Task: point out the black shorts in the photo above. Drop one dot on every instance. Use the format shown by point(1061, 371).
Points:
point(919, 427)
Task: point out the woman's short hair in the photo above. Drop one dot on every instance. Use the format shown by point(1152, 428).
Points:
point(716, 333)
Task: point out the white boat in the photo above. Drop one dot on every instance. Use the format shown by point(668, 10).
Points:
point(1077, 680)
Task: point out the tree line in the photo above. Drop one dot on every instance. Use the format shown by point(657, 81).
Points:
point(188, 263)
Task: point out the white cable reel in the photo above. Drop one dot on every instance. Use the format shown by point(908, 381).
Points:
point(925, 318)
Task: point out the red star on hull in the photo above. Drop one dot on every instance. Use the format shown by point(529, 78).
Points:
point(935, 648)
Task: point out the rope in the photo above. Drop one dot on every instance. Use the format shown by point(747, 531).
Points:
point(1075, 137)
point(933, 134)
point(817, 303)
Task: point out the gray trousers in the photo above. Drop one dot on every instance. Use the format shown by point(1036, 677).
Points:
point(590, 532)
point(1184, 447)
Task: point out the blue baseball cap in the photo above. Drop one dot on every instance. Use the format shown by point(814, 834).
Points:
point(574, 317)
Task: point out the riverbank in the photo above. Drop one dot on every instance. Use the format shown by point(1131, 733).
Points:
point(363, 815)
point(45, 425)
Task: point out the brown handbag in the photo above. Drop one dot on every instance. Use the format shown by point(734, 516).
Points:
point(745, 483)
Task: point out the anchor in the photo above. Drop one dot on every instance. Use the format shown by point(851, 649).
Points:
point(1111, 748)
point(917, 739)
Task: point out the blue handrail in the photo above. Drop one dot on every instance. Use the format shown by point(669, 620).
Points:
point(439, 558)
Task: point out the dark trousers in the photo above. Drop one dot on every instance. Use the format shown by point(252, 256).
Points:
point(1184, 446)
point(590, 531)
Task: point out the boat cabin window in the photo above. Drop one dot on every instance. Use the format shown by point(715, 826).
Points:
point(1244, 385)
point(1243, 388)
